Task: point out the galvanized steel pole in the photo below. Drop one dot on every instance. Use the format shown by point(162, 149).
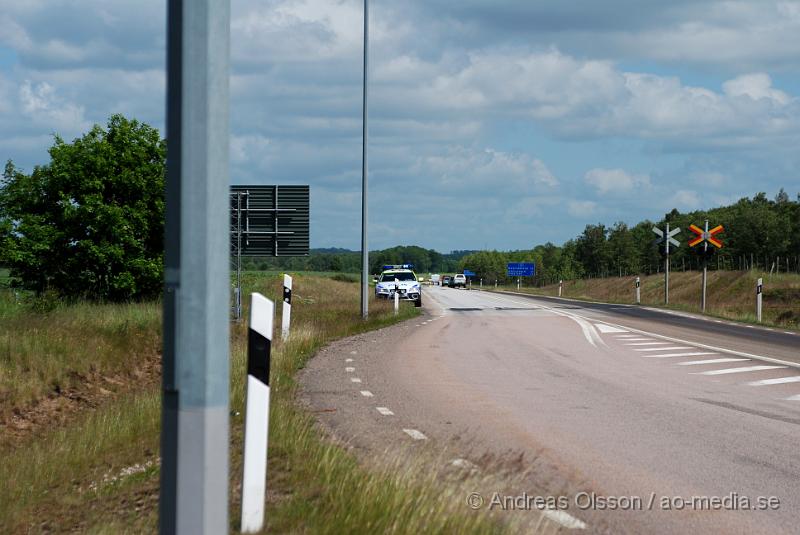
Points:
point(194, 435)
point(364, 250)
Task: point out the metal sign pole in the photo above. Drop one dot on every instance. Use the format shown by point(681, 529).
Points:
point(705, 269)
point(194, 428)
point(364, 251)
point(666, 268)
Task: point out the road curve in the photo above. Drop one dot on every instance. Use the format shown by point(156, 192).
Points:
point(618, 402)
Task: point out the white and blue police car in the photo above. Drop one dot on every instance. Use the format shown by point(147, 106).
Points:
point(401, 279)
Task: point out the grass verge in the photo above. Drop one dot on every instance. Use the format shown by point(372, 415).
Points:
point(99, 472)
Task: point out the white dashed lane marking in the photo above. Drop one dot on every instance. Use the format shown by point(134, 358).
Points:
point(711, 361)
point(348, 360)
point(349, 369)
point(740, 370)
point(690, 354)
point(385, 411)
point(366, 393)
point(778, 381)
point(355, 380)
point(671, 348)
point(603, 328)
point(793, 398)
point(416, 435)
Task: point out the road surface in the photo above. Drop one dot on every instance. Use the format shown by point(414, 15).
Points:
point(643, 420)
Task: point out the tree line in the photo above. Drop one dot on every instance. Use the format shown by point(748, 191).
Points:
point(759, 233)
point(90, 224)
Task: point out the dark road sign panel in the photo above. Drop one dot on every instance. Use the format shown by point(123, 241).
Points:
point(270, 220)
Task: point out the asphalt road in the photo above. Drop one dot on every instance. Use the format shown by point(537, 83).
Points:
point(661, 413)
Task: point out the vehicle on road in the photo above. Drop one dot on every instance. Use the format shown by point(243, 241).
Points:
point(399, 279)
point(446, 280)
point(460, 281)
point(435, 279)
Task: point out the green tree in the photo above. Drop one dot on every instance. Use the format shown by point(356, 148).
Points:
point(91, 222)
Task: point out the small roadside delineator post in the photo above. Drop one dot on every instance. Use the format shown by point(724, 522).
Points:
point(286, 319)
point(560, 287)
point(396, 297)
point(256, 424)
point(481, 283)
point(517, 283)
point(638, 292)
point(759, 292)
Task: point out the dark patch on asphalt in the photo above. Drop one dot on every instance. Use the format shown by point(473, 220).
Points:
point(517, 308)
point(465, 309)
point(754, 412)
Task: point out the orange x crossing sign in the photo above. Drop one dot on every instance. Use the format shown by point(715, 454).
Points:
point(706, 235)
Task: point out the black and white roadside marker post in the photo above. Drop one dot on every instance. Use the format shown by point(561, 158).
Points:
point(286, 309)
point(759, 292)
point(256, 424)
point(396, 296)
point(638, 292)
point(560, 287)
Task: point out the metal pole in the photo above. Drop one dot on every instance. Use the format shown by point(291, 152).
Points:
point(666, 267)
point(364, 251)
point(194, 436)
point(705, 268)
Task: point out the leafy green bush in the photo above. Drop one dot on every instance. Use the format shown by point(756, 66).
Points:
point(91, 222)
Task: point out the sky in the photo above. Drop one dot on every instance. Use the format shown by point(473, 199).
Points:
point(492, 124)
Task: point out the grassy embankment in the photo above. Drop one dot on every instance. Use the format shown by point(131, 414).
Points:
point(91, 464)
point(729, 294)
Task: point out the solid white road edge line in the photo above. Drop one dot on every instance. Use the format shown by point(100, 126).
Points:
point(793, 398)
point(647, 344)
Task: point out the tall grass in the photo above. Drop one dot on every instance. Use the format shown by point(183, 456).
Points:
point(47, 352)
point(71, 478)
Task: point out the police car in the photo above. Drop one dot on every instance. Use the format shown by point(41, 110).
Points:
point(400, 278)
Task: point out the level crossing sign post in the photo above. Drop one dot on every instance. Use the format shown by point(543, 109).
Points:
point(704, 237)
point(666, 237)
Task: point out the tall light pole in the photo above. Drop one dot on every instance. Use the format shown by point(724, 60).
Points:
point(364, 250)
point(194, 426)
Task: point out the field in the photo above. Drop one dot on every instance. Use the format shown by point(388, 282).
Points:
point(80, 417)
point(730, 294)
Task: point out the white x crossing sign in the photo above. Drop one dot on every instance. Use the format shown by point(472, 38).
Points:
point(669, 236)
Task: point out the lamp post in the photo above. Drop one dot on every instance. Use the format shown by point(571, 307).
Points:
point(364, 250)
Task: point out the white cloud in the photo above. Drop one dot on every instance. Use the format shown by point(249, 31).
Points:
point(41, 103)
point(615, 181)
point(685, 199)
point(488, 169)
point(581, 209)
point(756, 86)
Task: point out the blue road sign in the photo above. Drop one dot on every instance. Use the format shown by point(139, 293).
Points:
point(469, 273)
point(521, 269)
